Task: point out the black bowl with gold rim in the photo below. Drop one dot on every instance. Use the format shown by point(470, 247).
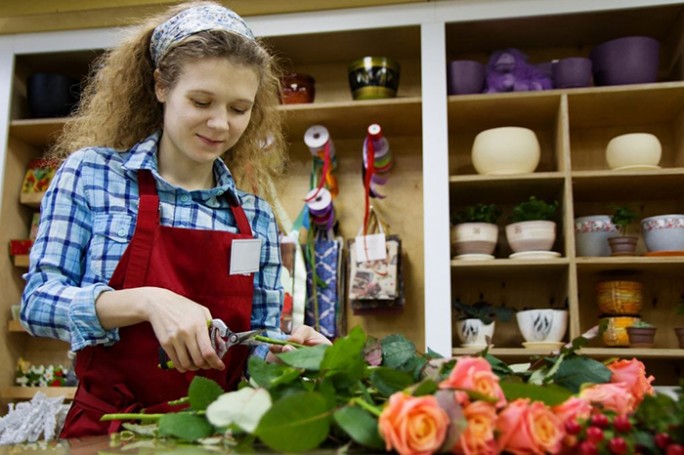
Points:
point(374, 78)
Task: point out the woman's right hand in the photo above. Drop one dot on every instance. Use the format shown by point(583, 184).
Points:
point(179, 323)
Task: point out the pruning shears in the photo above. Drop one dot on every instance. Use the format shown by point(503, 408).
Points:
point(222, 339)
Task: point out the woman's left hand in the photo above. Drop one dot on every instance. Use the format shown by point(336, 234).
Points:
point(303, 334)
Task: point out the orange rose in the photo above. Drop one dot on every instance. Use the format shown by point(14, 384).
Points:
point(413, 425)
point(529, 428)
point(478, 436)
point(613, 397)
point(633, 373)
point(475, 374)
point(573, 408)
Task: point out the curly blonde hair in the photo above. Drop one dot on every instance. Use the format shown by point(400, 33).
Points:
point(119, 107)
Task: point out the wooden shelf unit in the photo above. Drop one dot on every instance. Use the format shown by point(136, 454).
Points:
point(26, 393)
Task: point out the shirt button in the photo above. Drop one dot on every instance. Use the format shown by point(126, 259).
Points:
point(219, 192)
point(185, 198)
point(122, 232)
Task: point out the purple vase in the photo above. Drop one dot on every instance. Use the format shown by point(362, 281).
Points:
point(572, 72)
point(628, 60)
point(465, 76)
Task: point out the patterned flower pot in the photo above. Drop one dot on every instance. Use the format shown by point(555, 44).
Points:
point(615, 333)
point(663, 232)
point(473, 333)
point(531, 235)
point(623, 245)
point(474, 238)
point(592, 233)
point(545, 325)
point(620, 297)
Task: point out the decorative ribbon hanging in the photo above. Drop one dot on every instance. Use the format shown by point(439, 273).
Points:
point(317, 138)
point(377, 162)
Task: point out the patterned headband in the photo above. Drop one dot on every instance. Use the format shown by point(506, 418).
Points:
point(194, 20)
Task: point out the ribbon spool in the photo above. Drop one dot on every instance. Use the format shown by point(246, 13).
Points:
point(321, 209)
point(377, 160)
point(317, 139)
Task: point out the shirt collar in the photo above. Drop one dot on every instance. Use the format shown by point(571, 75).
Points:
point(143, 155)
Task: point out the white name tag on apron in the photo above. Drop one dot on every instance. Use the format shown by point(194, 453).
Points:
point(244, 256)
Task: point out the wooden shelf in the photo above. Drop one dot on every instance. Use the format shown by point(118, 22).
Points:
point(31, 199)
point(667, 265)
point(36, 132)
point(21, 260)
point(466, 189)
point(26, 393)
point(607, 185)
point(15, 326)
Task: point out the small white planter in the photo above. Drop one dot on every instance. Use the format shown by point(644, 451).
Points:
point(506, 150)
point(473, 333)
point(592, 234)
point(531, 235)
point(544, 325)
point(474, 238)
point(633, 151)
point(663, 232)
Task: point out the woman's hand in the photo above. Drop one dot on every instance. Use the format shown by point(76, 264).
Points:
point(303, 334)
point(179, 324)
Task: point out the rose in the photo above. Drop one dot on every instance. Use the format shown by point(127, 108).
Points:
point(529, 428)
point(413, 425)
point(633, 373)
point(475, 374)
point(614, 397)
point(572, 409)
point(478, 436)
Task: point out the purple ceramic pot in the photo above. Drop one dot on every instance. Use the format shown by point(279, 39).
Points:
point(628, 60)
point(572, 72)
point(465, 76)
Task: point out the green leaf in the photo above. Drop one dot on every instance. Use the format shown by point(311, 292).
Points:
point(360, 425)
point(203, 392)
point(575, 371)
point(185, 426)
point(346, 354)
point(307, 358)
point(297, 423)
point(551, 395)
point(388, 381)
point(271, 374)
point(425, 387)
point(244, 408)
point(396, 351)
point(499, 367)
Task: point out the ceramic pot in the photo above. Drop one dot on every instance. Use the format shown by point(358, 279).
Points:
point(620, 297)
point(536, 235)
point(51, 94)
point(374, 78)
point(465, 77)
point(297, 88)
point(545, 325)
point(506, 150)
point(663, 232)
point(473, 333)
point(474, 238)
point(616, 330)
point(571, 72)
point(679, 331)
point(627, 60)
point(623, 245)
point(592, 233)
point(641, 337)
point(633, 151)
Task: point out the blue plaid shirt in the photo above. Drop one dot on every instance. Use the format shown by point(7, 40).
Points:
point(88, 216)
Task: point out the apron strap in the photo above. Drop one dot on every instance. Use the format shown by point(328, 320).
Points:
point(239, 214)
point(145, 228)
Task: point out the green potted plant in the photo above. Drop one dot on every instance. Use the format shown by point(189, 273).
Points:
point(476, 322)
point(623, 244)
point(474, 233)
point(532, 231)
point(641, 334)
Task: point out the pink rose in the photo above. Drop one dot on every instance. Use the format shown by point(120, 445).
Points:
point(614, 397)
point(573, 408)
point(475, 374)
point(478, 436)
point(413, 425)
point(529, 428)
point(633, 373)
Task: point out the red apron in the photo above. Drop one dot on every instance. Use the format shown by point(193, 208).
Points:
point(194, 263)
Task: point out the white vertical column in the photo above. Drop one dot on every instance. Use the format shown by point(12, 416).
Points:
point(6, 79)
point(436, 189)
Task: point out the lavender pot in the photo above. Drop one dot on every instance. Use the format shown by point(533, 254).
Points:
point(628, 60)
point(572, 72)
point(465, 76)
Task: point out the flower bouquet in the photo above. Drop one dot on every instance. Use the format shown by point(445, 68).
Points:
point(28, 375)
point(366, 394)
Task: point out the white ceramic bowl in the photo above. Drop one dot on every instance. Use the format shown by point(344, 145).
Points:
point(633, 150)
point(592, 233)
point(473, 333)
point(663, 232)
point(474, 238)
point(506, 150)
point(531, 235)
point(546, 325)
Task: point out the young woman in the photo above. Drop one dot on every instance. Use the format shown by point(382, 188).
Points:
point(145, 232)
